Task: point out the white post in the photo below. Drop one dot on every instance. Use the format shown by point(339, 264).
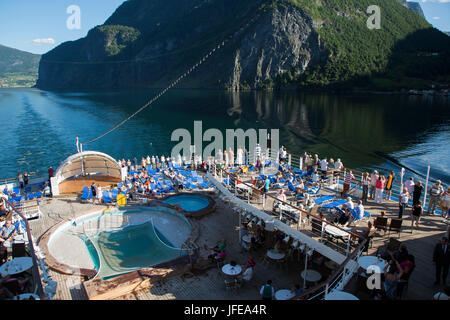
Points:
point(240, 226)
point(426, 189)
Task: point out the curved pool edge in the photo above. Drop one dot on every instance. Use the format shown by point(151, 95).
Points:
point(211, 207)
point(90, 274)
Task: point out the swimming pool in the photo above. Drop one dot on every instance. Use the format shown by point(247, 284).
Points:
point(189, 202)
point(121, 241)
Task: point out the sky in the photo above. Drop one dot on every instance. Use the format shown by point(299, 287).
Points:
point(38, 26)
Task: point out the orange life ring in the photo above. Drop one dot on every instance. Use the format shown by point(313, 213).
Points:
point(178, 208)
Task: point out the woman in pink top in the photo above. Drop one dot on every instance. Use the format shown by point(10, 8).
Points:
point(379, 188)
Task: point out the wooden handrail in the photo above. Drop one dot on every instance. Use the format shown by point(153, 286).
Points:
point(33, 254)
point(292, 206)
point(333, 276)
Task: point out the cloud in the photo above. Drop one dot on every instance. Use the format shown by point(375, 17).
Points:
point(436, 18)
point(38, 42)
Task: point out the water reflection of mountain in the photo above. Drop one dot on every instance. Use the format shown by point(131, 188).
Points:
point(360, 129)
point(357, 128)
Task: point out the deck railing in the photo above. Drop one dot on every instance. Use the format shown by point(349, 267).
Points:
point(35, 269)
point(306, 222)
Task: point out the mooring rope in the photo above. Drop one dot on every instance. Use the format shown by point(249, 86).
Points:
point(185, 74)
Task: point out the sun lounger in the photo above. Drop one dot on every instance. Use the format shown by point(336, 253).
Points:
point(106, 197)
point(323, 199)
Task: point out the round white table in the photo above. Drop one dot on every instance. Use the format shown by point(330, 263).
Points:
point(229, 270)
point(311, 275)
point(16, 265)
point(340, 295)
point(284, 294)
point(27, 296)
point(335, 231)
point(275, 255)
point(367, 261)
point(247, 238)
point(16, 239)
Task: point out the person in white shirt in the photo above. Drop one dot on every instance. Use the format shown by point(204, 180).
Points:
point(360, 209)
point(281, 195)
point(403, 202)
point(324, 166)
point(247, 275)
point(373, 182)
point(409, 185)
point(349, 204)
point(231, 157)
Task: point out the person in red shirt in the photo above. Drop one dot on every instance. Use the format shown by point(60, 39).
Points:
point(50, 172)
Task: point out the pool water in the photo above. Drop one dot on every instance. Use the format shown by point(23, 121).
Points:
point(129, 249)
point(189, 203)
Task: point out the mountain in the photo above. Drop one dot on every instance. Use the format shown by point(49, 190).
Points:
point(415, 6)
point(284, 43)
point(18, 68)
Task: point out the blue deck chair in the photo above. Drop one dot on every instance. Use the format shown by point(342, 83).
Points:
point(355, 214)
point(119, 185)
point(114, 194)
point(251, 168)
point(291, 187)
point(307, 173)
point(202, 183)
point(16, 190)
point(323, 199)
point(334, 204)
point(314, 191)
point(106, 197)
point(28, 189)
point(86, 193)
point(298, 171)
point(38, 194)
point(30, 196)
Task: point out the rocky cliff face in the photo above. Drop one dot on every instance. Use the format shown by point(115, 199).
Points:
point(281, 39)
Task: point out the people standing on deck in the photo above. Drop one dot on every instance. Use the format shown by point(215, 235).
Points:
point(239, 157)
point(226, 159)
point(135, 163)
point(409, 185)
point(388, 186)
point(25, 179)
point(417, 192)
point(304, 162)
point(373, 184)
point(219, 157)
point(231, 156)
point(148, 160)
point(143, 163)
point(441, 258)
point(338, 166)
point(365, 186)
point(267, 291)
point(347, 182)
point(403, 200)
point(324, 167)
point(445, 203)
point(417, 211)
point(379, 188)
point(436, 191)
point(20, 179)
point(50, 172)
point(129, 165)
point(153, 162)
point(94, 192)
point(316, 162)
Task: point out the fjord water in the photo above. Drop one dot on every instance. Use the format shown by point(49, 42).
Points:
point(366, 131)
